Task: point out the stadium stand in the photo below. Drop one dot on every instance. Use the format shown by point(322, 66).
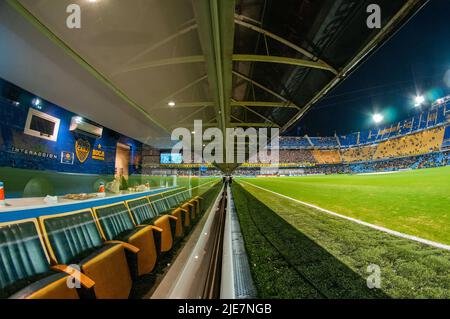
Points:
point(297, 156)
point(324, 142)
point(349, 140)
point(358, 154)
point(419, 122)
point(427, 120)
point(327, 156)
point(446, 141)
point(437, 159)
point(287, 142)
point(415, 144)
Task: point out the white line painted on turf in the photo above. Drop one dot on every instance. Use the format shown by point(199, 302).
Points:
point(384, 173)
point(386, 230)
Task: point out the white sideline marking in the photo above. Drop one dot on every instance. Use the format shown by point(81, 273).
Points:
point(386, 230)
point(385, 173)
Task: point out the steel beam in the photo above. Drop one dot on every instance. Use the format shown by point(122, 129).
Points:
point(215, 20)
point(222, 16)
point(160, 63)
point(235, 118)
point(253, 125)
point(158, 44)
point(191, 115)
point(264, 104)
point(181, 90)
point(254, 112)
point(280, 60)
point(190, 125)
point(239, 20)
point(233, 103)
point(185, 105)
point(379, 37)
point(263, 87)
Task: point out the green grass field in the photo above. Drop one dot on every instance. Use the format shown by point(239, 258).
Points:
point(415, 202)
point(295, 251)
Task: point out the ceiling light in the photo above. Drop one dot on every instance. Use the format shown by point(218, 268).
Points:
point(36, 102)
point(78, 120)
point(171, 104)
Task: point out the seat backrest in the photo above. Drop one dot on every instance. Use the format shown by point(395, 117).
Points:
point(160, 204)
point(185, 195)
point(70, 236)
point(178, 194)
point(22, 254)
point(114, 220)
point(155, 196)
point(172, 199)
point(141, 210)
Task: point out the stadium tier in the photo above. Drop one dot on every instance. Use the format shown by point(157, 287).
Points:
point(324, 142)
point(295, 142)
point(327, 156)
point(420, 122)
point(446, 142)
point(419, 143)
point(296, 156)
point(436, 159)
point(415, 143)
point(358, 154)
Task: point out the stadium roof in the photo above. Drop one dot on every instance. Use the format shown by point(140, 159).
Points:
point(230, 63)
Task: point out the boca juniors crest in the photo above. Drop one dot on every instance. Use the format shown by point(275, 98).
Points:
point(82, 150)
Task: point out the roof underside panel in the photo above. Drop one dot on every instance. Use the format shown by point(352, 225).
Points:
point(266, 66)
point(334, 31)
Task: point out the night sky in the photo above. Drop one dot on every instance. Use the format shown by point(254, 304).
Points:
point(414, 61)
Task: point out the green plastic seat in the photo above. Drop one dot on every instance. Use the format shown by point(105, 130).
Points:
point(116, 224)
point(74, 238)
point(25, 271)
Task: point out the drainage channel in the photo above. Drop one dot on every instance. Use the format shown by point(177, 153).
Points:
point(213, 263)
point(237, 281)
point(196, 272)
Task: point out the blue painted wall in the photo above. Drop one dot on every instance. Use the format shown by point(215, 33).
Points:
point(12, 122)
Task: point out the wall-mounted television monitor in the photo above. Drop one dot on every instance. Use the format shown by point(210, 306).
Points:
point(169, 158)
point(42, 125)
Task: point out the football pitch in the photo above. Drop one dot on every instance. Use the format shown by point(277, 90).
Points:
point(296, 251)
point(412, 202)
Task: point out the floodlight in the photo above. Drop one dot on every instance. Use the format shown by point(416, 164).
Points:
point(377, 118)
point(419, 100)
